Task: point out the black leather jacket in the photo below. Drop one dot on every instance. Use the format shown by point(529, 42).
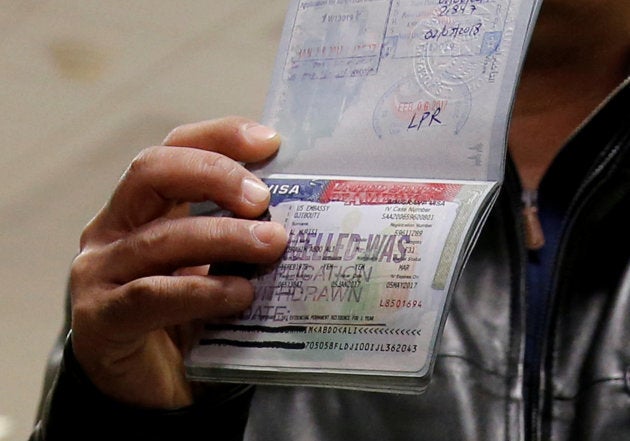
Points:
point(578, 388)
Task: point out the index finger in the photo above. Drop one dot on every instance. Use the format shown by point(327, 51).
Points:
point(238, 138)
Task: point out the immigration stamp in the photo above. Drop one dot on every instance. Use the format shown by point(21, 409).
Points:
point(454, 43)
point(408, 108)
point(352, 44)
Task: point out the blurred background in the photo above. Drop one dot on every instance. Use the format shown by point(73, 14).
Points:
point(84, 85)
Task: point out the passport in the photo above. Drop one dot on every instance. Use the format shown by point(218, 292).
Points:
point(393, 116)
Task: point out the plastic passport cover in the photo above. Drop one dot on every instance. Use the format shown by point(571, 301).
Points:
point(393, 115)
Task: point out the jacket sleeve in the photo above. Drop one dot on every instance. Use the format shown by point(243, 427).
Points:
point(75, 409)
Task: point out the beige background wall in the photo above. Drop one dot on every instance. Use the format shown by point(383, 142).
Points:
point(85, 84)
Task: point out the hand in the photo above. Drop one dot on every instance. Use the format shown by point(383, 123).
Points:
point(140, 278)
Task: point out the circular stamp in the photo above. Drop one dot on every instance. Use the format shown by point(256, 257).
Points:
point(452, 49)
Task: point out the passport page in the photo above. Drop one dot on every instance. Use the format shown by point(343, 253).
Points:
point(397, 88)
point(393, 116)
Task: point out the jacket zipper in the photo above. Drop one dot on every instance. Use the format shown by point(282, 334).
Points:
point(534, 236)
point(533, 427)
point(540, 382)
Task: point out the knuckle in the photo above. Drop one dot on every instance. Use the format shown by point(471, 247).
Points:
point(143, 244)
point(227, 228)
point(113, 310)
point(139, 291)
point(218, 164)
point(174, 136)
point(196, 287)
point(84, 265)
point(86, 235)
point(154, 238)
point(80, 264)
point(129, 301)
point(224, 173)
point(91, 232)
point(143, 161)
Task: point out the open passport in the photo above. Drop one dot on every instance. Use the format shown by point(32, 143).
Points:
point(393, 116)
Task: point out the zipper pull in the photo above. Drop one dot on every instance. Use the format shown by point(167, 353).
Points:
point(534, 236)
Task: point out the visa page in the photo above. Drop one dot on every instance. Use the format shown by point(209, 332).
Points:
point(393, 116)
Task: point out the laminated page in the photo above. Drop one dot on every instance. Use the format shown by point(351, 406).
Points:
point(393, 116)
point(397, 88)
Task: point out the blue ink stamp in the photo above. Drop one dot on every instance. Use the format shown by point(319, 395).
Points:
point(491, 42)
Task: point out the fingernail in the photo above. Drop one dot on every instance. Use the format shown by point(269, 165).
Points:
point(255, 132)
point(264, 232)
point(254, 192)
